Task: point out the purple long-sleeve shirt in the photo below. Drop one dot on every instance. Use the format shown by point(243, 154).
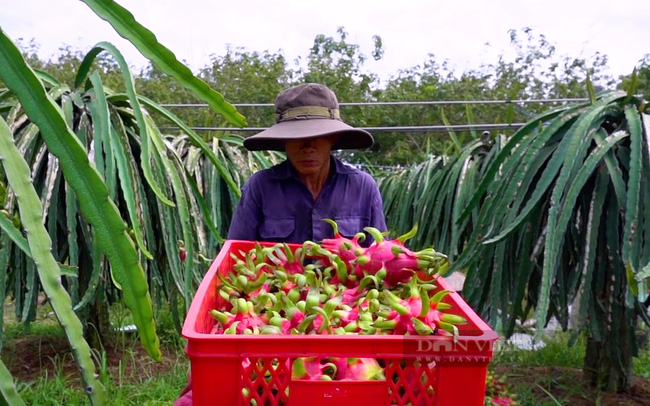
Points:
point(277, 206)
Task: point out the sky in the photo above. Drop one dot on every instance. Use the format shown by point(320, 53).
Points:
point(456, 31)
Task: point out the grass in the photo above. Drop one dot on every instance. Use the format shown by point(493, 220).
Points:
point(129, 376)
point(552, 375)
point(642, 362)
point(145, 389)
point(549, 376)
point(557, 352)
point(642, 365)
point(516, 363)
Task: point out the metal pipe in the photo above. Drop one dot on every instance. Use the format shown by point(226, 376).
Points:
point(403, 129)
point(399, 103)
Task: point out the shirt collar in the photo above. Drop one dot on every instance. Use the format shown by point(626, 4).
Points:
point(285, 170)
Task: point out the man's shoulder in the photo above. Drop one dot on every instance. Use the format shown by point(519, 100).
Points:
point(346, 169)
point(277, 171)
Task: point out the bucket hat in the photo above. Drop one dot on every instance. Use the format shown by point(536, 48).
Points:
point(308, 111)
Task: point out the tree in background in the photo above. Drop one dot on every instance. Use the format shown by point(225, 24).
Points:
point(641, 78)
point(536, 71)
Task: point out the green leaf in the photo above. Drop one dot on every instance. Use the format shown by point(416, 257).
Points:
point(522, 177)
point(451, 133)
point(632, 85)
point(93, 281)
point(168, 225)
point(631, 282)
point(554, 237)
point(73, 244)
point(145, 41)
point(633, 187)
point(9, 394)
point(101, 122)
point(505, 152)
point(591, 246)
point(47, 78)
point(69, 270)
point(205, 211)
point(12, 232)
point(145, 155)
point(614, 169)
point(5, 251)
point(567, 157)
point(196, 140)
point(40, 244)
point(90, 189)
point(644, 273)
point(181, 197)
point(590, 90)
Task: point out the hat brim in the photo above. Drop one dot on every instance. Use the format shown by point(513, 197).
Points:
point(273, 138)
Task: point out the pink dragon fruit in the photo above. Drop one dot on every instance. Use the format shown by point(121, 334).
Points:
point(285, 259)
point(503, 401)
point(362, 369)
point(344, 369)
point(313, 368)
point(244, 318)
point(418, 314)
point(391, 260)
point(351, 296)
point(293, 313)
point(284, 325)
point(347, 249)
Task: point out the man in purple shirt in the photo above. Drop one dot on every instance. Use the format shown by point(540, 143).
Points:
point(288, 202)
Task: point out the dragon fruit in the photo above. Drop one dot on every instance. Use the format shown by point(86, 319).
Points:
point(314, 369)
point(244, 318)
point(344, 369)
point(347, 249)
point(362, 369)
point(497, 392)
point(293, 313)
point(335, 294)
point(393, 262)
point(286, 260)
point(418, 314)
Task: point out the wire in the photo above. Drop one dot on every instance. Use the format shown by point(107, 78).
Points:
point(402, 129)
point(399, 103)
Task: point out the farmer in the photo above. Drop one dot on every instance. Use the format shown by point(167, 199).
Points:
point(288, 202)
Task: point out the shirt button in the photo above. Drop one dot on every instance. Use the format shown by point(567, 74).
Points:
point(315, 212)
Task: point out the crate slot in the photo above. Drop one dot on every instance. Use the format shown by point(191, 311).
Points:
point(265, 381)
point(411, 382)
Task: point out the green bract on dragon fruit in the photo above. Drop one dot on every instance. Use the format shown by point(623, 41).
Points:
point(335, 287)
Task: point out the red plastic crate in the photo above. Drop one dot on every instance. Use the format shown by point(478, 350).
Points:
point(419, 370)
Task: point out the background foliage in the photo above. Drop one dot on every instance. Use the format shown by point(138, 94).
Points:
point(537, 71)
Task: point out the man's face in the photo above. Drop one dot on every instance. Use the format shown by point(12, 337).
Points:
point(310, 155)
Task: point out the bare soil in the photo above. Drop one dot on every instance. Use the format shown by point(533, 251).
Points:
point(27, 358)
point(565, 384)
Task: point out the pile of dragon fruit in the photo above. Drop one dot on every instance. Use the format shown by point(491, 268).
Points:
point(336, 287)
